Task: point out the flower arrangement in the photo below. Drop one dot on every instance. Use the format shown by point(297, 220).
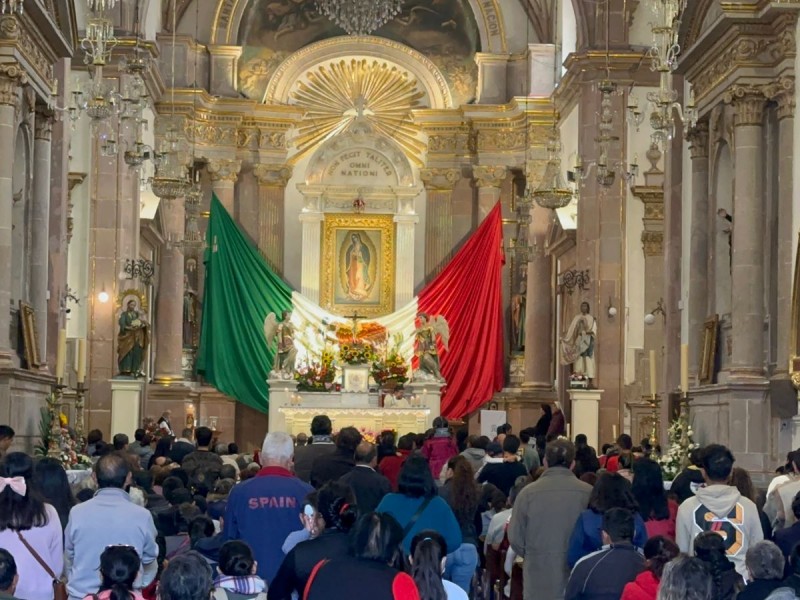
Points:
point(71, 449)
point(317, 376)
point(390, 372)
point(578, 381)
point(154, 432)
point(681, 444)
point(358, 352)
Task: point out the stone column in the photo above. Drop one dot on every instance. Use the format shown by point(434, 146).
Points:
point(312, 249)
point(224, 173)
point(747, 277)
point(11, 78)
point(439, 184)
point(489, 180)
point(782, 92)
point(539, 308)
point(404, 265)
point(40, 221)
point(699, 245)
point(272, 180)
point(169, 327)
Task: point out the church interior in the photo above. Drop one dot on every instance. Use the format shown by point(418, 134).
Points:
point(636, 155)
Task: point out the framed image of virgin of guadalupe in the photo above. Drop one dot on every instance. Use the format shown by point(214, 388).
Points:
point(358, 264)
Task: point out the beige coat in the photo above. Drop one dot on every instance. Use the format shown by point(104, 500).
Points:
point(542, 521)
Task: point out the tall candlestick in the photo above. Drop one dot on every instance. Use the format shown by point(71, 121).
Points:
point(81, 360)
point(652, 373)
point(614, 432)
point(61, 353)
point(685, 368)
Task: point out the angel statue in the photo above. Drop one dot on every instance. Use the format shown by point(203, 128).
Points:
point(283, 330)
point(425, 348)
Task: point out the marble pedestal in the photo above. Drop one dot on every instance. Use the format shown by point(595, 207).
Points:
point(126, 406)
point(586, 414)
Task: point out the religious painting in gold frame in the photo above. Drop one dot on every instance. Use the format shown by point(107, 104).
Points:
point(357, 268)
point(30, 337)
point(708, 350)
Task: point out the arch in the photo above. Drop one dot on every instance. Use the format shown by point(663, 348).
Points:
point(692, 21)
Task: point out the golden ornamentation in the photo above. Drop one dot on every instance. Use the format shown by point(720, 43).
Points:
point(440, 178)
point(748, 104)
point(698, 141)
point(653, 243)
point(273, 175)
point(125, 295)
point(224, 169)
point(489, 176)
point(20, 34)
point(12, 77)
point(341, 94)
point(781, 91)
point(330, 258)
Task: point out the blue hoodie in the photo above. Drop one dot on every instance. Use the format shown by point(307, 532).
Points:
point(587, 537)
point(262, 511)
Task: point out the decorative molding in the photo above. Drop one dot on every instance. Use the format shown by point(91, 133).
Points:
point(440, 179)
point(273, 175)
point(43, 123)
point(224, 169)
point(698, 141)
point(653, 243)
point(73, 179)
point(748, 103)
point(489, 176)
point(12, 77)
point(782, 92)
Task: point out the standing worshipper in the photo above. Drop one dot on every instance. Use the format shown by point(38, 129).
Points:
point(50, 481)
point(341, 461)
point(202, 457)
point(367, 484)
point(463, 496)
point(164, 424)
point(440, 448)
point(320, 444)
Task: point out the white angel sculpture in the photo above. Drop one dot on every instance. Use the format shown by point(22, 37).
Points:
point(425, 347)
point(283, 330)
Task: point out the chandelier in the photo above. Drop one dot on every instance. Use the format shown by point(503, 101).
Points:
point(360, 17)
point(663, 103)
point(170, 179)
point(552, 192)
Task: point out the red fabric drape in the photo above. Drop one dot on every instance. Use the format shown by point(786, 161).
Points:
point(468, 292)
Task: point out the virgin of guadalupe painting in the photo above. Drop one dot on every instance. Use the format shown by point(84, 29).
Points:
point(358, 265)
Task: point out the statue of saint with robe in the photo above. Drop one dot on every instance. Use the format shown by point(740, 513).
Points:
point(577, 346)
point(132, 341)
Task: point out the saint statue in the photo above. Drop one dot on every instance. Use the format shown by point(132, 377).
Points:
point(189, 314)
point(357, 262)
point(132, 341)
point(518, 313)
point(425, 348)
point(286, 354)
point(577, 346)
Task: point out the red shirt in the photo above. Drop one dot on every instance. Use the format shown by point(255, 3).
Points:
point(644, 587)
point(390, 467)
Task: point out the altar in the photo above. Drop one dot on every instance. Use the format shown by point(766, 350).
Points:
point(291, 410)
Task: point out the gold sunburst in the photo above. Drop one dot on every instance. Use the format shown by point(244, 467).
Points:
point(341, 94)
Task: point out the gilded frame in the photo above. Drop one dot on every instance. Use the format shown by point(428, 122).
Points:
point(30, 337)
point(375, 226)
point(708, 350)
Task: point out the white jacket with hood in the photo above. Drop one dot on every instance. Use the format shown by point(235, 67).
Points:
point(723, 509)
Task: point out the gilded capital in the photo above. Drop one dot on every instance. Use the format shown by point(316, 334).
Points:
point(748, 104)
point(698, 140)
point(43, 123)
point(224, 169)
point(781, 91)
point(12, 77)
point(273, 175)
point(487, 176)
point(440, 178)
point(653, 243)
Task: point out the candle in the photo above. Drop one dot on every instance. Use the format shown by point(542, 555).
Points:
point(61, 353)
point(652, 373)
point(685, 368)
point(81, 360)
point(614, 432)
point(569, 432)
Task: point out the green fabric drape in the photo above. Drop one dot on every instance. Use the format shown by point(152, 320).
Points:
point(240, 291)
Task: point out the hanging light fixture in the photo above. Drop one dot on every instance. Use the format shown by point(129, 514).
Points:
point(360, 17)
point(134, 100)
point(552, 192)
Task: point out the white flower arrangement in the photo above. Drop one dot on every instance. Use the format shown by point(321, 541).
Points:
point(681, 444)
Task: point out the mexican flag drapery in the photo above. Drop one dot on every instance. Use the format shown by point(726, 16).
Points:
point(241, 290)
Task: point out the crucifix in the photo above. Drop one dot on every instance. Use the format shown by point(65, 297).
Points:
point(355, 318)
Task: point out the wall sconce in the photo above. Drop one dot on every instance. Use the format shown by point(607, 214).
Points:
point(650, 317)
point(612, 311)
point(103, 296)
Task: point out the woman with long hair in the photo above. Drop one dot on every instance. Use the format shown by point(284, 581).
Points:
point(428, 559)
point(463, 496)
point(337, 507)
point(28, 525)
point(543, 424)
point(658, 512)
point(658, 551)
point(161, 453)
point(237, 577)
point(710, 548)
point(371, 570)
point(611, 491)
point(50, 481)
point(119, 567)
point(386, 445)
point(741, 480)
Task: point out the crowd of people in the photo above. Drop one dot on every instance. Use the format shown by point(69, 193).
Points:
point(432, 516)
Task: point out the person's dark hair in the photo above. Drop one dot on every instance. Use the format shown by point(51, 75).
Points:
point(501, 430)
point(386, 445)
point(765, 560)
point(365, 453)
point(625, 441)
point(796, 506)
point(547, 409)
point(163, 446)
point(648, 490)
point(710, 548)
point(94, 436)
point(182, 475)
point(204, 478)
point(740, 479)
point(717, 462)
point(619, 524)
point(581, 440)
point(461, 438)
point(236, 559)
point(20, 513)
point(376, 536)
point(406, 442)
point(515, 490)
point(169, 486)
point(336, 506)
point(696, 457)
point(586, 461)
point(605, 448)
point(658, 551)
point(8, 570)
point(428, 548)
point(415, 478)
point(625, 460)
point(186, 433)
point(111, 471)
point(525, 436)
point(6, 432)
point(511, 444)
point(321, 425)
point(419, 440)
point(440, 423)
point(139, 434)
point(84, 495)
point(119, 566)
point(200, 528)
point(203, 436)
point(794, 559)
point(686, 578)
point(348, 439)
point(233, 448)
point(612, 490)
point(120, 441)
point(185, 514)
point(559, 453)
point(227, 472)
point(187, 577)
point(464, 492)
point(50, 481)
